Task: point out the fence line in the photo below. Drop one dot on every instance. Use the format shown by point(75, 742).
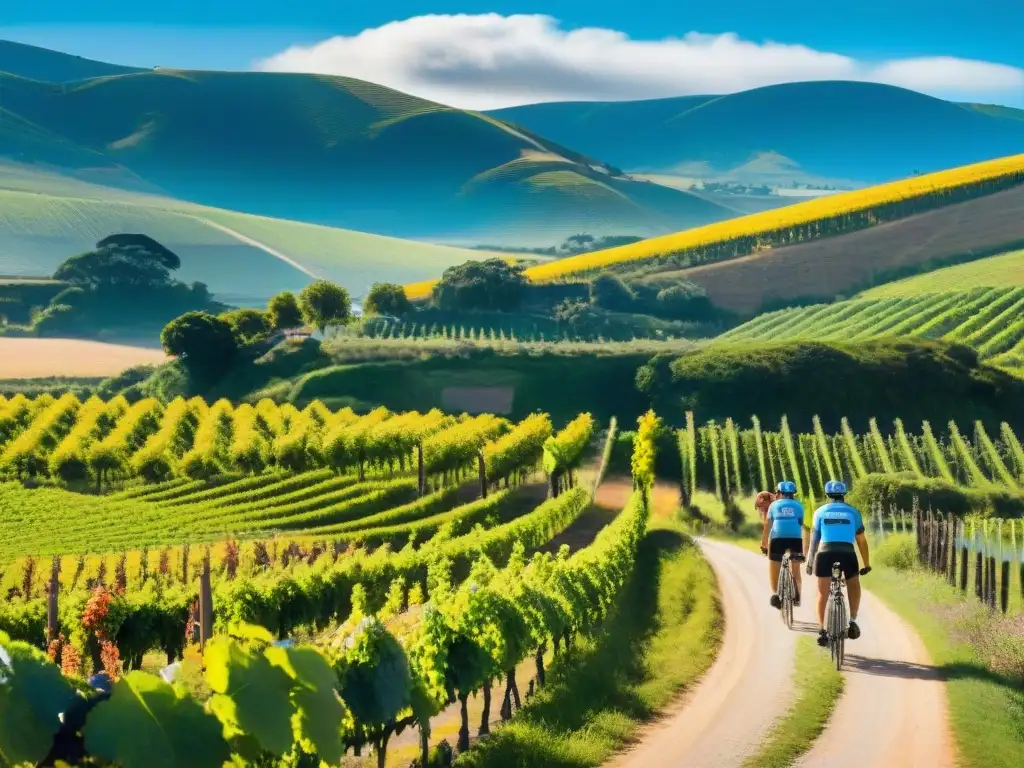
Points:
point(953, 548)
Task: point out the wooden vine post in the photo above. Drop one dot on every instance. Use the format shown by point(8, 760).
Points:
point(52, 592)
point(482, 467)
point(205, 604)
point(420, 469)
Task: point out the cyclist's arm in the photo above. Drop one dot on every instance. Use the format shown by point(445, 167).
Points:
point(765, 530)
point(862, 544)
point(815, 536)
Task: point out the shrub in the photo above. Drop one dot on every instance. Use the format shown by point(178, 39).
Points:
point(898, 551)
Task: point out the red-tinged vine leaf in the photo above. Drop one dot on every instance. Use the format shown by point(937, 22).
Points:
point(321, 713)
point(251, 694)
point(33, 695)
point(146, 723)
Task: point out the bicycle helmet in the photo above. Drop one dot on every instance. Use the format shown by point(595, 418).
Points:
point(764, 499)
point(787, 487)
point(835, 489)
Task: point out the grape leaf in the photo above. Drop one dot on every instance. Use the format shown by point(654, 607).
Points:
point(33, 694)
point(251, 694)
point(315, 696)
point(147, 724)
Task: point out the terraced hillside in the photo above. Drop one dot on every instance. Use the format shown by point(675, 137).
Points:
point(45, 218)
point(811, 132)
point(1005, 270)
point(991, 320)
point(338, 151)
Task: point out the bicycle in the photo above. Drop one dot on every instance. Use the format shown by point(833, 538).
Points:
point(835, 621)
point(836, 624)
point(786, 589)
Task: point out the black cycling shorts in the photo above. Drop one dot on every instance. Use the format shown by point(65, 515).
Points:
point(847, 559)
point(777, 548)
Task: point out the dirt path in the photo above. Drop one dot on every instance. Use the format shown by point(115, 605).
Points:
point(726, 716)
point(893, 710)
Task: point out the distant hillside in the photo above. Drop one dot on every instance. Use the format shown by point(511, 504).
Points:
point(863, 132)
point(832, 266)
point(52, 66)
point(50, 218)
point(338, 151)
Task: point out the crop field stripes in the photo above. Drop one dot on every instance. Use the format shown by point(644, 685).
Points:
point(989, 319)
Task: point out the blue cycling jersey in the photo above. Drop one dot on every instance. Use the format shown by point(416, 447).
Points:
point(787, 516)
point(837, 523)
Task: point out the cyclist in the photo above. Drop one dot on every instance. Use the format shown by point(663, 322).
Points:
point(837, 527)
point(782, 530)
point(762, 502)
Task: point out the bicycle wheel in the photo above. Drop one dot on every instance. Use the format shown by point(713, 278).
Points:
point(840, 637)
point(830, 625)
point(786, 597)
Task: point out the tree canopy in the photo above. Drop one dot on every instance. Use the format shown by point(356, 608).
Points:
point(386, 299)
point(486, 285)
point(325, 304)
point(284, 312)
point(121, 261)
point(247, 324)
point(204, 343)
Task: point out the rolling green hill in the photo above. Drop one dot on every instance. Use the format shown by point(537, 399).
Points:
point(991, 320)
point(1005, 270)
point(336, 151)
point(52, 66)
point(821, 131)
point(44, 219)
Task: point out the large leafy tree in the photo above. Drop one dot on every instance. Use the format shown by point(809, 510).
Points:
point(247, 324)
point(284, 311)
point(492, 284)
point(325, 304)
point(386, 299)
point(121, 261)
point(205, 344)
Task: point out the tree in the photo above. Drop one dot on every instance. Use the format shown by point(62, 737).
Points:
point(323, 304)
point(284, 311)
point(204, 343)
point(609, 292)
point(386, 299)
point(151, 247)
point(489, 285)
point(685, 301)
point(248, 325)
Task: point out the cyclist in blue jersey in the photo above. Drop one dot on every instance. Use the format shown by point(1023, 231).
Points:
point(784, 529)
point(836, 528)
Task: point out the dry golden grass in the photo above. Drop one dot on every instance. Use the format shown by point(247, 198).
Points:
point(35, 358)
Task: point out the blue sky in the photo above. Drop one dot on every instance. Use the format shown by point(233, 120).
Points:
point(237, 34)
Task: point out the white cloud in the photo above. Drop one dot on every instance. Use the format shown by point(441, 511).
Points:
point(488, 61)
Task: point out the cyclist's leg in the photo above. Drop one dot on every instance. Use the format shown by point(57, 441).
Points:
point(824, 585)
point(774, 567)
point(853, 592)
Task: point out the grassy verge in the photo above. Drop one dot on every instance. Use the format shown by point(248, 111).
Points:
point(664, 635)
point(819, 685)
point(981, 656)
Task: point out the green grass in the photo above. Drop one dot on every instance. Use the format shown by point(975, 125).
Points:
point(1001, 271)
point(986, 706)
point(663, 637)
point(818, 684)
